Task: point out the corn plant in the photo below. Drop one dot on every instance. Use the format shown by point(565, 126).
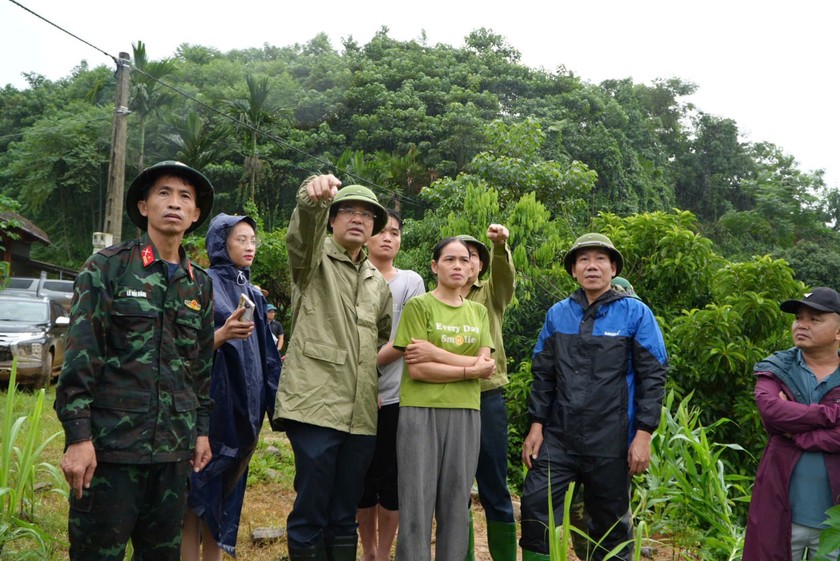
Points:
point(687, 490)
point(559, 539)
point(19, 453)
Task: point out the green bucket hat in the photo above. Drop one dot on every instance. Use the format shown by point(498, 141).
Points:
point(483, 252)
point(593, 240)
point(365, 195)
point(139, 187)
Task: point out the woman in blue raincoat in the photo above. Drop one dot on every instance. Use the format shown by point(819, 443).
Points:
point(246, 370)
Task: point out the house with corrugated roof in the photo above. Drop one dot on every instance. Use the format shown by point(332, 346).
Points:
point(17, 236)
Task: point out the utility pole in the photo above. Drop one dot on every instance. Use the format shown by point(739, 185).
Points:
point(112, 226)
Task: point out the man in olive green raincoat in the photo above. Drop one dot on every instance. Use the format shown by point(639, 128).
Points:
point(327, 398)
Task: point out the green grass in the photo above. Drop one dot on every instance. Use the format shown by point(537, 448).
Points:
point(560, 540)
point(270, 466)
point(31, 485)
point(687, 494)
point(49, 506)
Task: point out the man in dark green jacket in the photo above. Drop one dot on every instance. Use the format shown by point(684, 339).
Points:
point(133, 395)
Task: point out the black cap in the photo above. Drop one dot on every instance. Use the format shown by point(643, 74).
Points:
point(822, 299)
point(202, 185)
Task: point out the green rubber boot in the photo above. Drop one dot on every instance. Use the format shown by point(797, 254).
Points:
point(471, 544)
point(528, 555)
point(501, 540)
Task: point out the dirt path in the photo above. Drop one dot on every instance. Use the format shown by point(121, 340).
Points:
point(267, 504)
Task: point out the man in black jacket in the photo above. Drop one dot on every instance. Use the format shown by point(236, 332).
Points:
point(599, 371)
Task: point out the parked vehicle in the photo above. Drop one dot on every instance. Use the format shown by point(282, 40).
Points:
point(57, 289)
point(32, 330)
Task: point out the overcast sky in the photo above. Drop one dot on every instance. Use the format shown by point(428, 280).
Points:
point(769, 65)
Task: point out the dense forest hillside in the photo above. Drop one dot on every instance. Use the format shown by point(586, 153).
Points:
point(398, 116)
point(715, 230)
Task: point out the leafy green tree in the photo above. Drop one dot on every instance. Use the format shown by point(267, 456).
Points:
point(515, 166)
point(8, 228)
point(197, 142)
point(668, 261)
point(148, 96)
point(254, 114)
point(484, 42)
point(711, 173)
point(713, 349)
point(815, 263)
point(832, 207)
point(786, 205)
point(402, 175)
point(61, 163)
point(398, 176)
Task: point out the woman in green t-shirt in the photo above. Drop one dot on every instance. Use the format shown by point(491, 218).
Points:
point(447, 346)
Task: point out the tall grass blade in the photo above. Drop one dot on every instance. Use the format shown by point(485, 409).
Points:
point(19, 470)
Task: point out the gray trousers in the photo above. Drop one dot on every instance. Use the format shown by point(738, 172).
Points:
point(802, 538)
point(437, 455)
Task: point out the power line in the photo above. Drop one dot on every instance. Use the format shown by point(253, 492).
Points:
point(179, 91)
point(233, 119)
point(19, 5)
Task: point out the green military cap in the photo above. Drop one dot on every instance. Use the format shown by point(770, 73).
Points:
point(622, 285)
point(140, 186)
point(365, 195)
point(483, 252)
point(593, 240)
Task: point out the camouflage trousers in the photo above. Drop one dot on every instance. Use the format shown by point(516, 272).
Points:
point(141, 502)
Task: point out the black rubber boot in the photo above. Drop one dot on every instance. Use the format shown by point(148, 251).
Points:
point(342, 548)
point(312, 553)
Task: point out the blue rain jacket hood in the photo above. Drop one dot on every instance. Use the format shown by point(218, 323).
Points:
point(246, 373)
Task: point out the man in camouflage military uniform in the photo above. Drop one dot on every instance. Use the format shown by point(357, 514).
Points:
point(133, 395)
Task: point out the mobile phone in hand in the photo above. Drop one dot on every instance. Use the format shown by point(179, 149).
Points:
point(248, 314)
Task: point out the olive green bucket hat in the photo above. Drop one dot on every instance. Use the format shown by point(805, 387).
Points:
point(139, 187)
point(365, 195)
point(483, 252)
point(593, 240)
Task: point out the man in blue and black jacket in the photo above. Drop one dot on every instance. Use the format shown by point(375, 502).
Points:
point(599, 370)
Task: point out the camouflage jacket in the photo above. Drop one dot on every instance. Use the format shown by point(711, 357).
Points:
point(341, 315)
point(138, 356)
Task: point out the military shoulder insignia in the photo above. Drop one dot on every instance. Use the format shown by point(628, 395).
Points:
point(192, 304)
point(148, 256)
